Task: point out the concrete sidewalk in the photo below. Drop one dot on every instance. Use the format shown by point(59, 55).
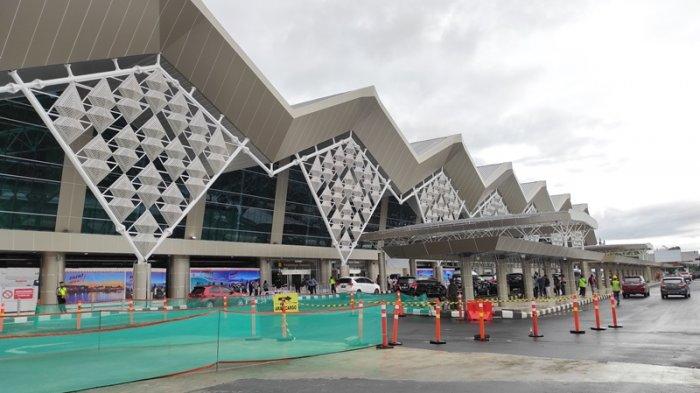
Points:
point(401, 364)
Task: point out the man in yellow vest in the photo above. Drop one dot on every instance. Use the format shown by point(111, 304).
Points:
point(331, 282)
point(616, 287)
point(582, 283)
point(61, 295)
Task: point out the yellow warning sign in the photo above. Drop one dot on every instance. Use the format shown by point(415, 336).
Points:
point(291, 301)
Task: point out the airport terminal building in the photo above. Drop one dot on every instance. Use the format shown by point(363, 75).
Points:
point(138, 135)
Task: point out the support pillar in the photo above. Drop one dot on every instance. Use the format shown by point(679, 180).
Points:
point(265, 266)
point(501, 271)
point(467, 282)
point(344, 270)
point(647, 274)
point(373, 271)
point(599, 276)
point(381, 260)
point(178, 277)
point(438, 271)
point(568, 270)
point(527, 277)
point(142, 281)
point(326, 272)
point(412, 267)
point(53, 265)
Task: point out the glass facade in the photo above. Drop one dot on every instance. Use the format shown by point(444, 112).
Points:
point(399, 215)
point(239, 207)
point(303, 224)
point(31, 162)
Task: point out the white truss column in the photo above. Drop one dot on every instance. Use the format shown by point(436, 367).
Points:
point(438, 200)
point(347, 188)
point(150, 150)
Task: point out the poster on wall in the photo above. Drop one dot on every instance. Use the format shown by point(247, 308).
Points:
point(94, 285)
point(447, 274)
point(234, 278)
point(424, 272)
point(157, 286)
point(19, 289)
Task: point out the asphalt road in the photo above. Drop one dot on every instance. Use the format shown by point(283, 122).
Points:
point(655, 331)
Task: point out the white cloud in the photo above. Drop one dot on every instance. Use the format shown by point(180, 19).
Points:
point(598, 98)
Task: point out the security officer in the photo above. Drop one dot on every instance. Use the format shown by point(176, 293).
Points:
point(582, 283)
point(616, 288)
point(61, 295)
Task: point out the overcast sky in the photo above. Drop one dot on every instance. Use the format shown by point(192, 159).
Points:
point(600, 99)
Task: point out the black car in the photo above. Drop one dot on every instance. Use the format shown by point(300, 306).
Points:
point(481, 287)
point(430, 287)
point(516, 284)
point(404, 284)
point(674, 286)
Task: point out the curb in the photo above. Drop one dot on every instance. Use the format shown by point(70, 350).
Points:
point(520, 314)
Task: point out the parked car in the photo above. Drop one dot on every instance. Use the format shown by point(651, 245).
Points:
point(674, 286)
point(490, 283)
point(430, 287)
point(481, 288)
point(687, 277)
point(356, 284)
point(516, 284)
point(210, 295)
point(404, 284)
point(634, 285)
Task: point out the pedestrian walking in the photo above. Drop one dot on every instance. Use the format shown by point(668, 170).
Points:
point(312, 285)
point(61, 295)
point(562, 284)
point(616, 287)
point(541, 284)
point(547, 286)
point(592, 281)
point(555, 281)
point(535, 286)
point(582, 284)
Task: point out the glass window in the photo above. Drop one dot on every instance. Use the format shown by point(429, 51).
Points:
point(31, 163)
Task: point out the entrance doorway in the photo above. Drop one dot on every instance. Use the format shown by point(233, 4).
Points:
point(296, 278)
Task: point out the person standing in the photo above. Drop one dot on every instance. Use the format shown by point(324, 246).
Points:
point(541, 283)
point(265, 287)
point(555, 281)
point(535, 285)
point(592, 282)
point(331, 282)
point(582, 284)
point(312, 285)
point(616, 287)
point(61, 295)
point(547, 286)
point(562, 284)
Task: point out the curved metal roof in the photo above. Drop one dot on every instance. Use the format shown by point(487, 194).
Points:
point(190, 38)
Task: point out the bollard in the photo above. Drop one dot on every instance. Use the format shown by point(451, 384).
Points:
point(438, 333)
point(577, 322)
point(395, 328)
point(165, 308)
point(400, 304)
point(360, 321)
point(352, 301)
point(535, 331)
point(131, 312)
point(2, 317)
point(226, 302)
point(253, 320)
point(284, 326)
point(482, 336)
point(460, 307)
point(613, 310)
point(77, 315)
point(385, 340)
point(596, 311)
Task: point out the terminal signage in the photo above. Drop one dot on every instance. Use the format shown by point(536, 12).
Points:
point(291, 302)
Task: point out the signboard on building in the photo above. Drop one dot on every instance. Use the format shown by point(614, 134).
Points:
point(291, 302)
point(19, 289)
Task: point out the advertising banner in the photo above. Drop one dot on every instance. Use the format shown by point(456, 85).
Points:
point(94, 285)
point(234, 278)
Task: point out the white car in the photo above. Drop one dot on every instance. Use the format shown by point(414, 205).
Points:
point(356, 284)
